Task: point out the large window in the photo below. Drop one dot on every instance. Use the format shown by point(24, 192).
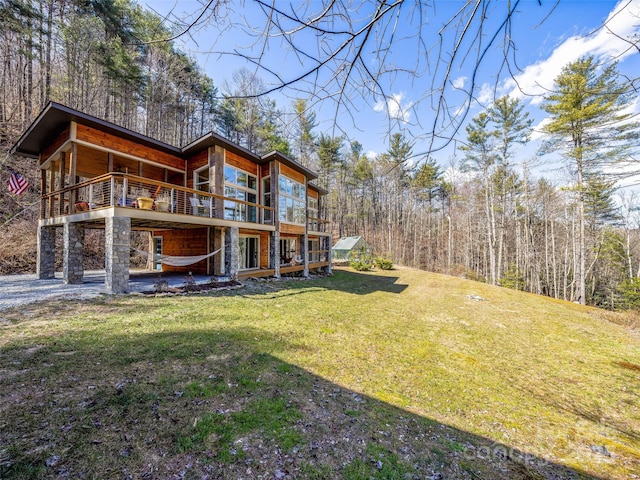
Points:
point(314, 250)
point(313, 213)
point(249, 252)
point(292, 201)
point(267, 215)
point(201, 179)
point(288, 250)
point(241, 186)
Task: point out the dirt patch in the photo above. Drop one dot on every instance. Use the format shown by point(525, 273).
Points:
point(163, 288)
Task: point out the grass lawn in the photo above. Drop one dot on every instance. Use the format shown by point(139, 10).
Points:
point(390, 375)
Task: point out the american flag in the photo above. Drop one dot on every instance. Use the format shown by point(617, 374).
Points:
point(17, 183)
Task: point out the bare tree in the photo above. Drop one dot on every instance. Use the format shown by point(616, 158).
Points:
point(345, 52)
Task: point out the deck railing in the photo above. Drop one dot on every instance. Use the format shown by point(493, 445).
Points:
point(317, 256)
point(317, 225)
point(130, 191)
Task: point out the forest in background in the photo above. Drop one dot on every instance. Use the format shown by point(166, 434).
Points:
point(482, 214)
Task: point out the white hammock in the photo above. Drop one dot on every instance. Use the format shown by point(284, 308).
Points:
point(177, 260)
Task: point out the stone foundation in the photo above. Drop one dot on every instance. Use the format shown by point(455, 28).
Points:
point(72, 268)
point(232, 252)
point(46, 266)
point(117, 246)
point(274, 251)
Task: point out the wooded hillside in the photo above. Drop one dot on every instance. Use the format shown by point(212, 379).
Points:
point(483, 213)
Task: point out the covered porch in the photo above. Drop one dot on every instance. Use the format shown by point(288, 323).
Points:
point(207, 234)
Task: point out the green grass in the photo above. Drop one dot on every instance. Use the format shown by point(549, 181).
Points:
point(361, 375)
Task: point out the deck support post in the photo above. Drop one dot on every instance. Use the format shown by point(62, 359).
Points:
point(117, 246)
point(216, 242)
point(46, 267)
point(232, 252)
point(327, 246)
point(304, 247)
point(73, 240)
point(274, 252)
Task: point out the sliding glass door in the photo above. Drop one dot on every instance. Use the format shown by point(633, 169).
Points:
point(249, 253)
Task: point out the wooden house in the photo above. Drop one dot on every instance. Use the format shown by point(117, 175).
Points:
point(211, 207)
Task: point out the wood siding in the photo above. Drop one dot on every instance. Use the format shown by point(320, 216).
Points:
point(291, 229)
point(184, 243)
point(241, 163)
point(53, 146)
point(92, 163)
point(198, 160)
point(105, 140)
point(292, 174)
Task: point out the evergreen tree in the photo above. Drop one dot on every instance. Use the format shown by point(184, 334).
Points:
point(589, 128)
point(329, 158)
point(304, 138)
point(480, 157)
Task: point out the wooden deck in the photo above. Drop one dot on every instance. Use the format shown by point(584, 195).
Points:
point(269, 272)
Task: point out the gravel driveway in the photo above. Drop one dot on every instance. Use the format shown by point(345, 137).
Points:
point(17, 290)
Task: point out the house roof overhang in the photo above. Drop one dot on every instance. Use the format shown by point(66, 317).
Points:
point(317, 188)
point(211, 139)
point(56, 117)
point(282, 158)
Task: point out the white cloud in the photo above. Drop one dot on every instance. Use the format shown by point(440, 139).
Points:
point(395, 107)
point(607, 43)
point(537, 133)
point(459, 83)
point(485, 95)
point(371, 154)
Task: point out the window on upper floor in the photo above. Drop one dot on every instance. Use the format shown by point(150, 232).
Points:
point(243, 186)
point(292, 201)
point(312, 206)
point(201, 179)
point(267, 215)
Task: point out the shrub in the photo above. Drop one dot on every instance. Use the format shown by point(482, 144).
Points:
point(161, 286)
point(513, 278)
point(189, 282)
point(630, 292)
point(361, 260)
point(383, 263)
point(360, 265)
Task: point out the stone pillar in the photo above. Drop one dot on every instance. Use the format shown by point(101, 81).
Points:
point(274, 253)
point(117, 240)
point(232, 252)
point(304, 253)
point(327, 243)
point(216, 178)
point(218, 259)
point(73, 240)
point(46, 267)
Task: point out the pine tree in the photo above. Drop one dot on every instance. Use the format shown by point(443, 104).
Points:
point(589, 128)
point(304, 138)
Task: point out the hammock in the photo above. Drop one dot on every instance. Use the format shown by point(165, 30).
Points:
point(177, 260)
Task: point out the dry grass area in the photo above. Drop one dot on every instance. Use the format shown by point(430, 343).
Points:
point(392, 375)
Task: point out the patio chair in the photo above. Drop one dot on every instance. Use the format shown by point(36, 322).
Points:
point(196, 207)
point(207, 203)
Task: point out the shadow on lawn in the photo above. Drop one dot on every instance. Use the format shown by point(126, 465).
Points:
point(356, 283)
point(202, 403)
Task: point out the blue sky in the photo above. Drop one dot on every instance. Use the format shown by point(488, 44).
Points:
point(546, 35)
